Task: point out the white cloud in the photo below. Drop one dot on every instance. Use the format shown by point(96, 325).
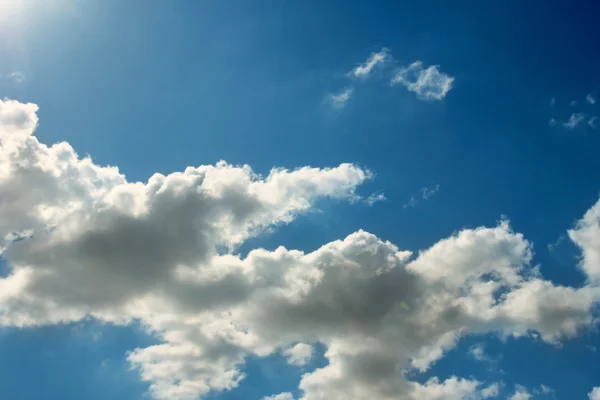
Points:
point(520, 394)
point(552, 101)
point(544, 390)
point(426, 193)
point(592, 122)
point(364, 70)
point(94, 245)
point(586, 235)
point(280, 396)
point(375, 198)
point(590, 99)
point(340, 99)
point(491, 391)
point(594, 394)
point(14, 77)
point(477, 351)
point(574, 120)
point(428, 83)
point(300, 354)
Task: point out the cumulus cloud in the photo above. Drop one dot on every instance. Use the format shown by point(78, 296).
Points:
point(491, 391)
point(428, 83)
point(586, 235)
point(364, 70)
point(300, 354)
point(82, 241)
point(280, 396)
point(520, 394)
point(594, 394)
point(339, 100)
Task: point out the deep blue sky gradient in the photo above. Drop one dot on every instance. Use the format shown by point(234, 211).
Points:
point(156, 86)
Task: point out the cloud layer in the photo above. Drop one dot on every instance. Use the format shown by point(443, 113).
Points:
point(81, 241)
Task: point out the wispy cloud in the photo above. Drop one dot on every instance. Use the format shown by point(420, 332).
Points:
point(375, 198)
point(364, 70)
point(592, 122)
point(552, 101)
point(14, 77)
point(574, 120)
point(428, 83)
point(478, 353)
point(424, 194)
point(339, 100)
point(428, 192)
point(590, 99)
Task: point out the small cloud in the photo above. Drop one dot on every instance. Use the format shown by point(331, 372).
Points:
point(491, 391)
point(340, 99)
point(590, 99)
point(299, 355)
point(478, 352)
point(426, 193)
point(552, 122)
point(521, 393)
point(14, 77)
point(552, 101)
point(364, 69)
point(428, 83)
point(592, 122)
point(594, 394)
point(412, 202)
point(574, 120)
point(559, 241)
point(546, 390)
point(375, 198)
point(573, 103)
point(280, 396)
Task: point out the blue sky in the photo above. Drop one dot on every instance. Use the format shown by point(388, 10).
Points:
point(453, 116)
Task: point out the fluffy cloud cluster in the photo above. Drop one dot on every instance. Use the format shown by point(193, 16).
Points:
point(427, 83)
point(576, 119)
point(81, 241)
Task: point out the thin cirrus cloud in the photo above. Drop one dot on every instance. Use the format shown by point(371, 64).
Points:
point(151, 252)
point(428, 83)
point(339, 100)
